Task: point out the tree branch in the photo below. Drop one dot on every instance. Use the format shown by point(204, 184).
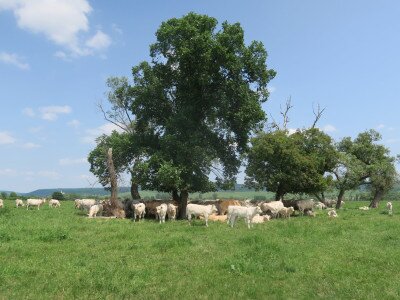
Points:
point(317, 115)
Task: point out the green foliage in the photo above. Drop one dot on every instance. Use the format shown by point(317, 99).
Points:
point(291, 163)
point(12, 196)
point(365, 161)
point(58, 196)
point(3, 195)
point(197, 102)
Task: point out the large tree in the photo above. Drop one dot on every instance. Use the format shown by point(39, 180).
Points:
point(196, 103)
point(291, 163)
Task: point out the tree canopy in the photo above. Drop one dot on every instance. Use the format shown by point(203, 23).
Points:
point(291, 163)
point(196, 103)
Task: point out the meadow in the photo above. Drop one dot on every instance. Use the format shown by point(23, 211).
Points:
point(61, 254)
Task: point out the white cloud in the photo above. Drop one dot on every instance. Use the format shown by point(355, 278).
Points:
point(34, 129)
point(380, 126)
point(92, 134)
point(117, 29)
point(329, 128)
point(27, 111)
point(50, 113)
point(74, 123)
point(6, 138)
point(61, 21)
point(72, 161)
point(13, 59)
point(99, 41)
point(30, 146)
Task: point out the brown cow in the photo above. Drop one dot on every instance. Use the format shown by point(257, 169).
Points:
point(222, 205)
point(151, 205)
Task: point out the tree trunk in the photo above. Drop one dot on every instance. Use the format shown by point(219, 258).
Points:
point(183, 201)
point(377, 198)
point(340, 198)
point(113, 178)
point(113, 208)
point(279, 193)
point(135, 191)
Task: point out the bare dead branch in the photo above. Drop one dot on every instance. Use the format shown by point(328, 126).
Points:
point(285, 112)
point(100, 106)
point(317, 114)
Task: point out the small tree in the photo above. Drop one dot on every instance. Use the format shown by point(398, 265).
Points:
point(13, 196)
point(57, 196)
point(3, 195)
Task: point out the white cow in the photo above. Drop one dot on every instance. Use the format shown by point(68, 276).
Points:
point(274, 207)
point(200, 210)
point(229, 212)
point(319, 205)
point(247, 213)
point(1, 203)
point(286, 212)
point(19, 202)
point(35, 202)
point(171, 211)
point(85, 204)
point(332, 213)
point(389, 207)
point(94, 210)
point(54, 203)
point(162, 212)
point(139, 210)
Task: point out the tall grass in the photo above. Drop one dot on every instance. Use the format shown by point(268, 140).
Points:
point(60, 253)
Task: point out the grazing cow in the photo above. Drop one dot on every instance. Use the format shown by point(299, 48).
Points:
point(305, 205)
point(1, 203)
point(274, 207)
point(162, 212)
point(332, 213)
point(171, 211)
point(200, 210)
point(94, 210)
point(54, 203)
point(389, 207)
point(19, 202)
point(286, 212)
point(34, 202)
point(247, 213)
point(139, 210)
point(222, 205)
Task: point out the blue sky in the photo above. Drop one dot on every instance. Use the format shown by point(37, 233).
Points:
point(55, 56)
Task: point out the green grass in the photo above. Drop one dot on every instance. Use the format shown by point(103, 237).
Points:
point(59, 253)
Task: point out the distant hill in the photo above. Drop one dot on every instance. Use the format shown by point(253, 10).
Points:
point(77, 191)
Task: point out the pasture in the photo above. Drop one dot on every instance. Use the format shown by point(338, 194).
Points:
point(60, 253)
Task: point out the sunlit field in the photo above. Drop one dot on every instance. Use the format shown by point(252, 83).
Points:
point(60, 253)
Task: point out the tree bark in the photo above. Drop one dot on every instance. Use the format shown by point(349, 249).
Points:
point(113, 178)
point(377, 198)
point(135, 191)
point(279, 193)
point(340, 198)
point(113, 208)
point(183, 201)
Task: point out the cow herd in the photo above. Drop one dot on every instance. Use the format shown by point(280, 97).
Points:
point(215, 210)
